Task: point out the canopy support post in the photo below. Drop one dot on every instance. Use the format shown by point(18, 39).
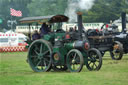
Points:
point(29, 34)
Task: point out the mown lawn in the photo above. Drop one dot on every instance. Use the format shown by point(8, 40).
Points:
point(15, 71)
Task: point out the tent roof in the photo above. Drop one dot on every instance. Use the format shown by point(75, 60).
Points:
point(8, 32)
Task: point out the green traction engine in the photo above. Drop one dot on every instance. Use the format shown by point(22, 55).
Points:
point(61, 51)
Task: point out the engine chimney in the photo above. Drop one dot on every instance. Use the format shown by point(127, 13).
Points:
point(123, 16)
point(79, 21)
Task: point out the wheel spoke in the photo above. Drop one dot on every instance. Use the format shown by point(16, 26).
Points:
point(44, 48)
point(74, 60)
point(95, 65)
point(44, 53)
point(39, 55)
point(38, 63)
point(36, 52)
point(96, 60)
point(89, 63)
point(41, 48)
point(74, 56)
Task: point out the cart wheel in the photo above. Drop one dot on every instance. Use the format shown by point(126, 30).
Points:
point(59, 68)
point(94, 59)
point(74, 60)
point(39, 55)
point(117, 51)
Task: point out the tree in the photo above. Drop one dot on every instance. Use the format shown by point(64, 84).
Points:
point(106, 10)
point(101, 11)
point(47, 7)
point(5, 6)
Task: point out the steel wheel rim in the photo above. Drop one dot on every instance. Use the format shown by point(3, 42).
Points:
point(39, 56)
point(115, 54)
point(117, 51)
point(74, 61)
point(93, 61)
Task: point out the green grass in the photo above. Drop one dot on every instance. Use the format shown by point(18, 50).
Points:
point(15, 71)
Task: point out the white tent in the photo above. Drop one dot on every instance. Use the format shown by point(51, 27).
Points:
point(9, 32)
point(11, 38)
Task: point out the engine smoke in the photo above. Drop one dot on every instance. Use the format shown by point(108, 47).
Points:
point(73, 6)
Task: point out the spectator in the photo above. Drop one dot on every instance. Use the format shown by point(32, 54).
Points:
point(44, 29)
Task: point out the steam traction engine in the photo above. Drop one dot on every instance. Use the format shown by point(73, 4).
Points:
point(110, 39)
point(122, 37)
point(60, 50)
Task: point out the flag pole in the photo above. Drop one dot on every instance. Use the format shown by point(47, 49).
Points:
point(16, 13)
point(11, 23)
point(11, 20)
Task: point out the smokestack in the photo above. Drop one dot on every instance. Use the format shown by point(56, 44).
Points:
point(123, 16)
point(79, 21)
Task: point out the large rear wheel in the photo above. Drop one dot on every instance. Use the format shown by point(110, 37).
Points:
point(39, 56)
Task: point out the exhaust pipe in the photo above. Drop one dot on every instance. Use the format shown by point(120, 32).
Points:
point(123, 16)
point(79, 21)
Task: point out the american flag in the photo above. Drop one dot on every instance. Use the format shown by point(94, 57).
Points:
point(14, 12)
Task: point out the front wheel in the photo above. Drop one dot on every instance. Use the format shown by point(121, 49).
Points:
point(75, 60)
point(94, 60)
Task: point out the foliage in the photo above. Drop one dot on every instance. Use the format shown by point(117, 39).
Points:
point(47, 7)
point(106, 10)
point(101, 11)
point(5, 6)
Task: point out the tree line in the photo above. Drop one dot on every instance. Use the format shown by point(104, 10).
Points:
point(101, 11)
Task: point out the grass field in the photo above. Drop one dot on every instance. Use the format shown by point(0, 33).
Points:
point(15, 71)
